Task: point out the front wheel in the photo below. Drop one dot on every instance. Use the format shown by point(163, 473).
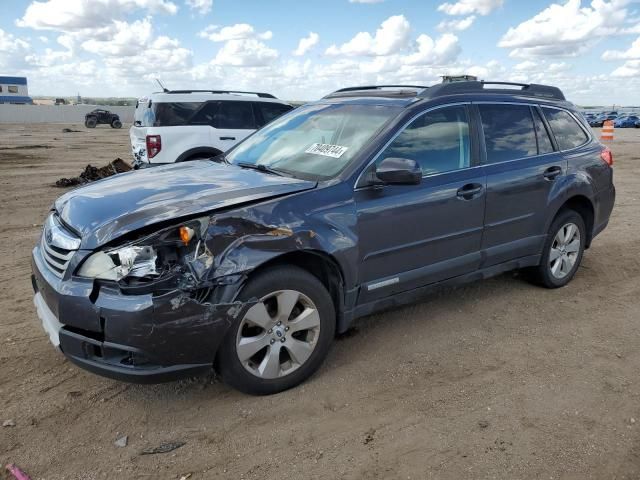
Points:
point(116, 123)
point(283, 338)
point(91, 122)
point(563, 250)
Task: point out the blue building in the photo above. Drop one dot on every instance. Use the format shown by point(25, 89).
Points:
point(14, 90)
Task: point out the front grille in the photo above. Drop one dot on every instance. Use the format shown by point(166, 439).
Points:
point(57, 259)
point(57, 246)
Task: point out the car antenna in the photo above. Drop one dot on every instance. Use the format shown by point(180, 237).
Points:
point(165, 90)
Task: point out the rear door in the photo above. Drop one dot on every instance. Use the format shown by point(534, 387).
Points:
point(413, 235)
point(233, 121)
point(522, 167)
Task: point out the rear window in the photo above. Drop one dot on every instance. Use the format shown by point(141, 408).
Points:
point(508, 132)
point(167, 114)
point(564, 127)
point(544, 142)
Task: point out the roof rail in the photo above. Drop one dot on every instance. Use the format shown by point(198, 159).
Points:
point(373, 87)
point(528, 89)
point(259, 94)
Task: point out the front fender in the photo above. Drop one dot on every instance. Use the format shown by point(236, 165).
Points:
point(242, 240)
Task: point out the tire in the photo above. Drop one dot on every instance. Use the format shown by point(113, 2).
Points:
point(550, 273)
point(272, 367)
point(91, 122)
point(116, 123)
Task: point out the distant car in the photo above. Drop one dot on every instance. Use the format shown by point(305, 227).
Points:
point(598, 121)
point(102, 117)
point(637, 124)
point(626, 122)
point(181, 125)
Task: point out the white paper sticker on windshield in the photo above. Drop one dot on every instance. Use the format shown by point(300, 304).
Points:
point(327, 150)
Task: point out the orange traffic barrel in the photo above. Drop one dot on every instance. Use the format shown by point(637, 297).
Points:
point(607, 131)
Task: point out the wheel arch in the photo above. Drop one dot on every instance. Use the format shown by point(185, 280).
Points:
point(321, 265)
point(585, 208)
point(185, 156)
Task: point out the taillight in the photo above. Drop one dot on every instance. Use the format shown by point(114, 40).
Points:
point(154, 145)
point(606, 156)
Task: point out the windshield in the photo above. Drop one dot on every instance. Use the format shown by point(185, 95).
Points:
point(314, 141)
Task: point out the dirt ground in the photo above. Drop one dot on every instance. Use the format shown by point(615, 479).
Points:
point(499, 379)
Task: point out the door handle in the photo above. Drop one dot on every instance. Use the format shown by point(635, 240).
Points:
point(552, 172)
point(469, 191)
point(227, 138)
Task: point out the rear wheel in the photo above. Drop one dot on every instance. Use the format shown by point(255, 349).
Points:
point(283, 338)
point(91, 122)
point(116, 123)
point(563, 250)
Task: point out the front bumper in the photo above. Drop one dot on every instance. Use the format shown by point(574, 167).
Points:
point(137, 338)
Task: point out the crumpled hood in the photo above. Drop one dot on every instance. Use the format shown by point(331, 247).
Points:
point(105, 210)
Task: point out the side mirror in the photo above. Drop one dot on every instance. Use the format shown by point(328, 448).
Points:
point(399, 171)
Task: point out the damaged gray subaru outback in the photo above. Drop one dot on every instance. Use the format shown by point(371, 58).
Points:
point(252, 261)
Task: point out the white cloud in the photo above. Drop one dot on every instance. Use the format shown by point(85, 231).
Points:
point(12, 50)
point(201, 6)
point(630, 69)
point(466, 7)
point(527, 66)
point(565, 30)
point(459, 25)
point(391, 37)
point(434, 52)
point(248, 52)
point(239, 31)
point(306, 43)
point(43, 39)
point(74, 15)
point(124, 39)
point(633, 52)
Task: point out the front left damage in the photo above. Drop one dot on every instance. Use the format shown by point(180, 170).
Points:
point(168, 314)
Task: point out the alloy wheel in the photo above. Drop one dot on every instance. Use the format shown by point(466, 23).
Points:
point(564, 250)
point(278, 334)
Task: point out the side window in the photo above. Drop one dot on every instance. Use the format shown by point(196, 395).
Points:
point(13, 89)
point(206, 114)
point(566, 130)
point(173, 113)
point(544, 142)
point(271, 111)
point(235, 115)
point(437, 140)
point(508, 132)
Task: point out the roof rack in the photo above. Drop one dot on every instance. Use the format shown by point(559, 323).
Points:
point(528, 89)
point(372, 88)
point(259, 94)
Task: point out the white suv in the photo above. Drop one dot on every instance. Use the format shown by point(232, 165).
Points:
point(181, 125)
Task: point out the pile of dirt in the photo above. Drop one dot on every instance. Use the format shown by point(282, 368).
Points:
point(91, 173)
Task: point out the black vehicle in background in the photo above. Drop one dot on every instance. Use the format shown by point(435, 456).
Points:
point(369, 198)
point(102, 117)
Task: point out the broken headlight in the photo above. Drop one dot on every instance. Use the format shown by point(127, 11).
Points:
point(150, 257)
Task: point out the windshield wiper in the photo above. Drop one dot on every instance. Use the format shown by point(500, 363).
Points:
point(262, 168)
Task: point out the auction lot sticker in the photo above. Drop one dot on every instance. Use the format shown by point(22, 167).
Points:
point(327, 150)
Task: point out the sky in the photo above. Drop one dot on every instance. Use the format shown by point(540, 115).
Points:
point(304, 49)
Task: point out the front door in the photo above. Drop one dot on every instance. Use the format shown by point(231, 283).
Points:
point(413, 235)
